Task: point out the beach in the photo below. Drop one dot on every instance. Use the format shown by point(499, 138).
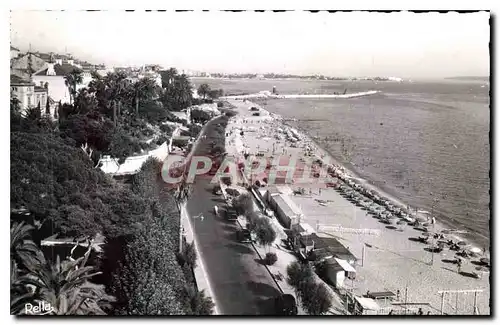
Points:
point(392, 261)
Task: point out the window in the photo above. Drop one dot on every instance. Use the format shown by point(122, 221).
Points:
point(29, 100)
point(41, 83)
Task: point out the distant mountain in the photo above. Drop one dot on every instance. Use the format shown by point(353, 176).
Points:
point(471, 78)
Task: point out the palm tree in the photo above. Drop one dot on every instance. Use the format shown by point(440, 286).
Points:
point(203, 90)
point(23, 251)
point(144, 88)
point(24, 257)
point(71, 81)
point(21, 291)
point(167, 77)
point(66, 287)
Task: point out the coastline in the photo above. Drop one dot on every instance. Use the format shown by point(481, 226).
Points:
point(269, 95)
point(395, 260)
point(443, 221)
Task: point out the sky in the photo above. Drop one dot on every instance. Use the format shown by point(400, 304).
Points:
point(408, 45)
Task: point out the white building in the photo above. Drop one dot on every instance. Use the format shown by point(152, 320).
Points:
point(14, 52)
point(54, 75)
point(28, 94)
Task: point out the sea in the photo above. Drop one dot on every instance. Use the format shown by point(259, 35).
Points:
point(425, 142)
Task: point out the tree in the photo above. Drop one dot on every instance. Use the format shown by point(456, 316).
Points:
point(243, 203)
point(177, 90)
point(167, 77)
point(200, 304)
point(85, 102)
point(33, 113)
point(264, 231)
point(66, 287)
point(315, 298)
point(215, 93)
point(47, 107)
point(92, 129)
point(204, 90)
point(188, 255)
point(199, 115)
point(150, 282)
point(251, 218)
point(298, 273)
point(23, 251)
point(72, 80)
point(15, 104)
point(59, 186)
point(143, 89)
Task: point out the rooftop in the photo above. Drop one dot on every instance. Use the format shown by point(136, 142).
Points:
point(288, 206)
point(60, 70)
point(18, 81)
point(12, 48)
point(39, 89)
point(325, 247)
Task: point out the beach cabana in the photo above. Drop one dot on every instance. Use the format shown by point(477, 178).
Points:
point(337, 270)
point(365, 306)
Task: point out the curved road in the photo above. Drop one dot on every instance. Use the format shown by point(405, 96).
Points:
point(241, 285)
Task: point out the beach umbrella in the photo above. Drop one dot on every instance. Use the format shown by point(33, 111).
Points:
point(485, 260)
point(482, 269)
point(475, 250)
point(462, 243)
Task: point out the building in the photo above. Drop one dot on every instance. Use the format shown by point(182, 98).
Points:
point(14, 52)
point(286, 211)
point(337, 270)
point(20, 66)
point(323, 248)
point(54, 75)
point(23, 90)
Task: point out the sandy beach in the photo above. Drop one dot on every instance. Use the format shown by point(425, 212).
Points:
point(393, 260)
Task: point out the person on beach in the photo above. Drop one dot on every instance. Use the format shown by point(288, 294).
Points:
point(459, 265)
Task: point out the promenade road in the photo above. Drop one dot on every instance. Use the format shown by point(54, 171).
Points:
point(241, 285)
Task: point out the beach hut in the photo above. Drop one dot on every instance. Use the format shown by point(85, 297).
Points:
point(336, 270)
point(365, 306)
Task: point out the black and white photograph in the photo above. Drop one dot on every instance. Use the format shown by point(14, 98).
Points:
point(250, 163)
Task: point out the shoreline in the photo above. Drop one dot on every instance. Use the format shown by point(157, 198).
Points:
point(269, 95)
point(442, 221)
point(395, 259)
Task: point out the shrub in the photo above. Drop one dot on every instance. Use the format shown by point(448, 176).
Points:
point(251, 218)
point(217, 150)
point(220, 104)
point(243, 203)
point(232, 192)
point(161, 140)
point(270, 258)
point(297, 273)
point(230, 114)
point(264, 231)
point(166, 128)
point(315, 298)
point(226, 180)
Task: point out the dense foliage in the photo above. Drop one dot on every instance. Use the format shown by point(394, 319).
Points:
point(58, 184)
point(55, 180)
point(314, 296)
point(64, 285)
